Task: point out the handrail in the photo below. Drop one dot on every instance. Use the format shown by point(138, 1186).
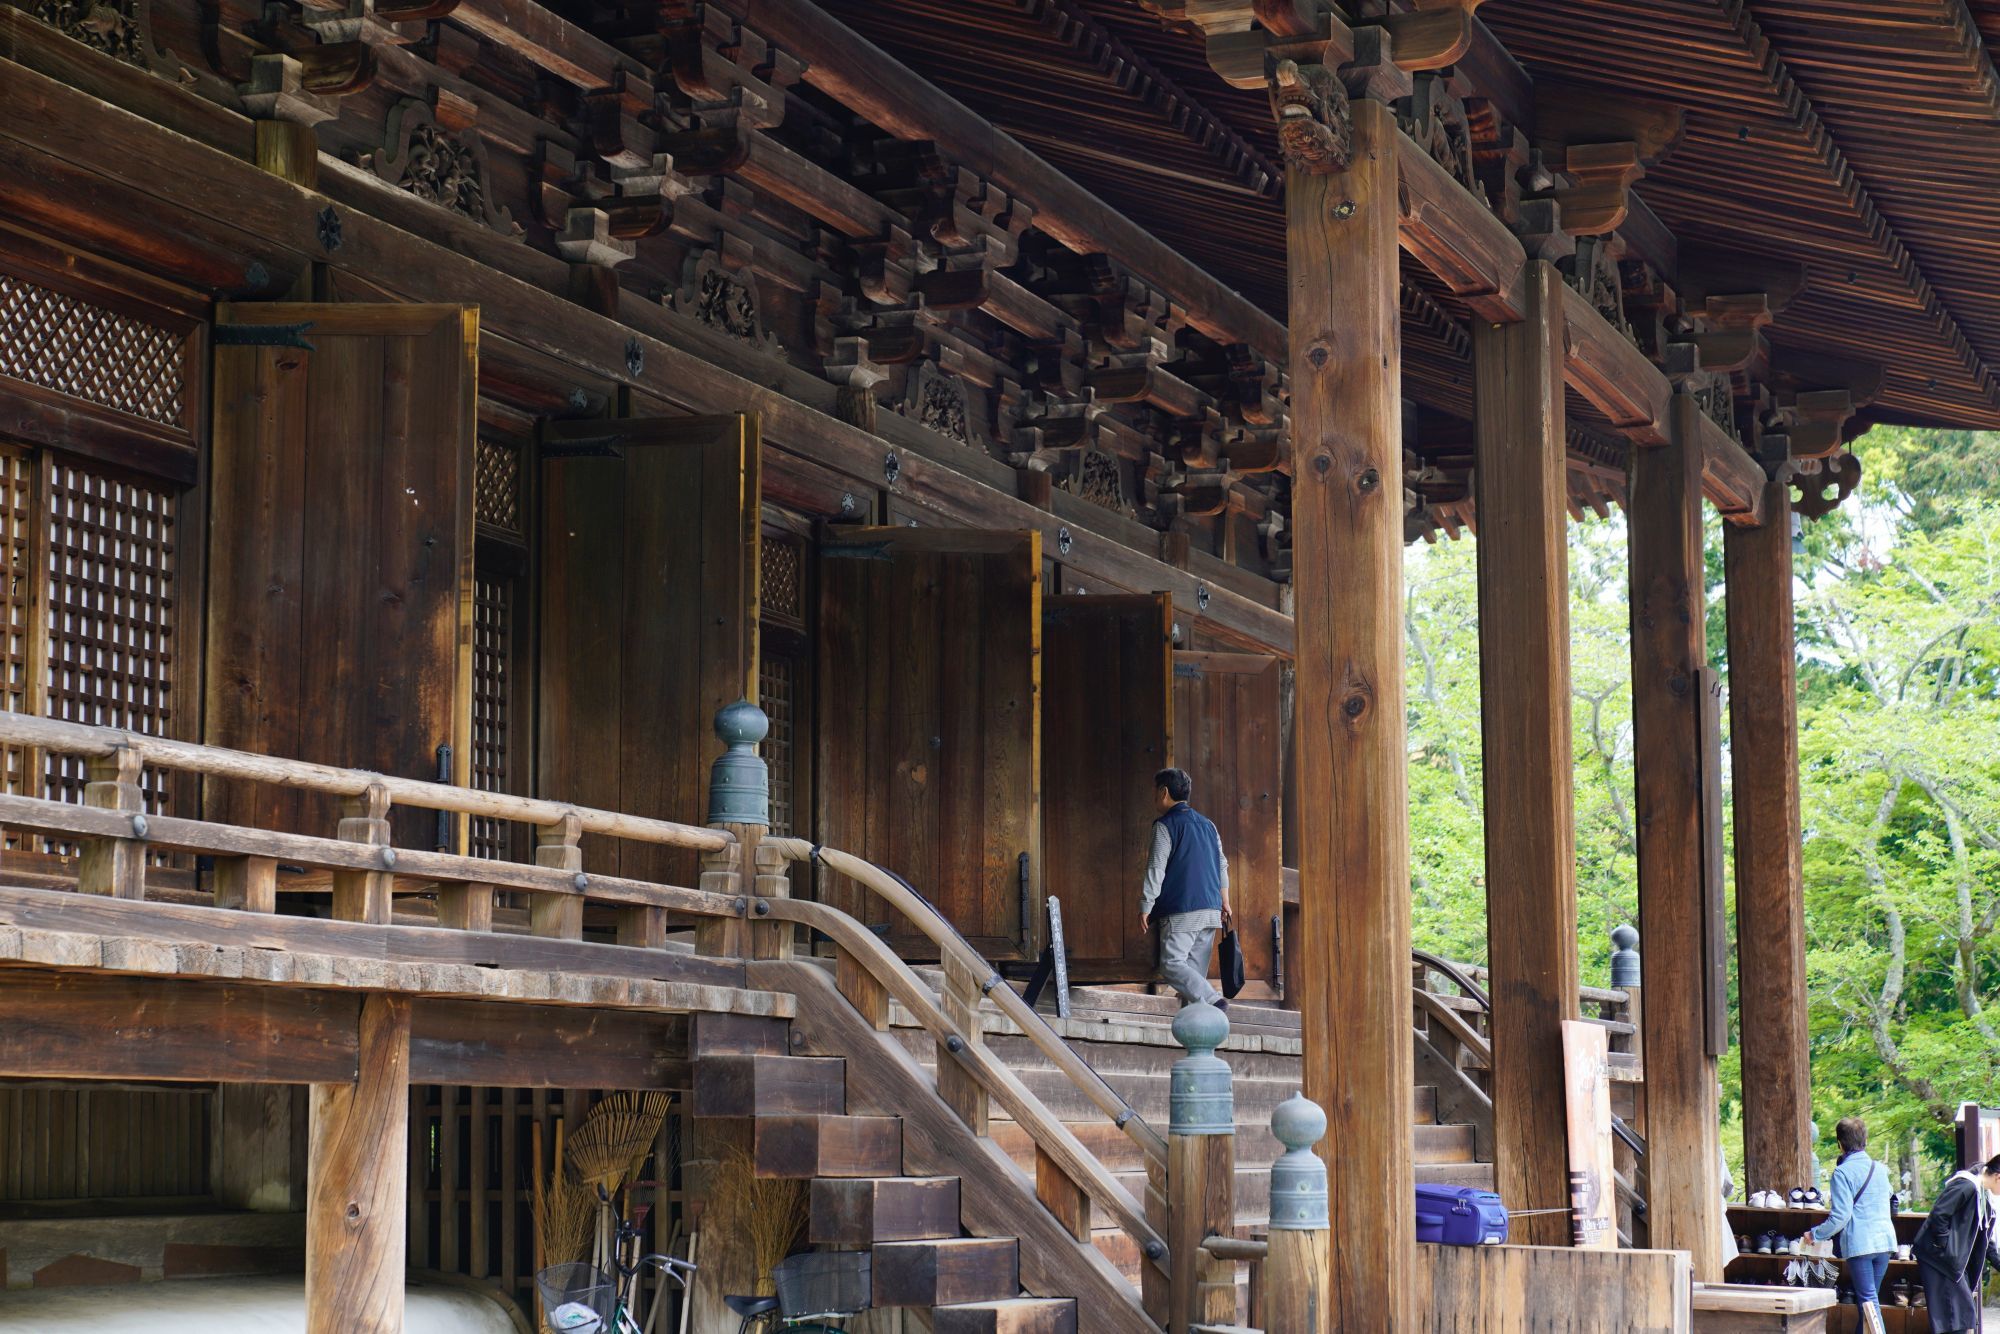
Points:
point(940, 932)
point(1454, 1023)
point(1457, 975)
point(21, 729)
point(1050, 1135)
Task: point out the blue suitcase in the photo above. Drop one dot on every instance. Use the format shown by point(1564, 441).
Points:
point(1460, 1216)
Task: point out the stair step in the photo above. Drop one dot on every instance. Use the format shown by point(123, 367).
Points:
point(946, 1272)
point(858, 1212)
point(1425, 1109)
point(713, 1034)
point(803, 1147)
point(1016, 1315)
point(1444, 1144)
point(761, 1085)
point(1477, 1175)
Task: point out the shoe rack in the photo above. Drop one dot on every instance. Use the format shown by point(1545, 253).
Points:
point(1748, 1224)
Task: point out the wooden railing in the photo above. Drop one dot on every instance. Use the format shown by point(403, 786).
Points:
point(116, 837)
point(869, 972)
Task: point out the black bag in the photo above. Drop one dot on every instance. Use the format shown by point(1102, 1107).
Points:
point(1231, 964)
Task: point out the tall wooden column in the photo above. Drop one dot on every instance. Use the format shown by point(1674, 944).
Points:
point(1524, 705)
point(357, 1184)
point(1684, 1205)
point(1354, 872)
point(1770, 903)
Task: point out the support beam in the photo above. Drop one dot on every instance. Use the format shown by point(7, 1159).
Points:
point(1770, 904)
point(358, 1183)
point(1354, 873)
point(1669, 656)
point(1523, 495)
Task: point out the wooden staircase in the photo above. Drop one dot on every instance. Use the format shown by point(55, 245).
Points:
point(865, 1195)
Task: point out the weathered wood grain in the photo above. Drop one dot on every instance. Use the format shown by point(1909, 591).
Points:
point(1347, 516)
point(357, 1184)
point(1524, 694)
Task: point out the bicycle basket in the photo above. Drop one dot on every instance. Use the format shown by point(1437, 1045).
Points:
point(822, 1283)
point(578, 1297)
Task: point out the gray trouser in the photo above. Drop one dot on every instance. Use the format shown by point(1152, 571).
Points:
point(1184, 957)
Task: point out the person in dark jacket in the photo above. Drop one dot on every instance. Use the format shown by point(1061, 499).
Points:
point(1955, 1245)
point(1185, 893)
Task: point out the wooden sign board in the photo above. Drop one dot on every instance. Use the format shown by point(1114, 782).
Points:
point(1593, 1189)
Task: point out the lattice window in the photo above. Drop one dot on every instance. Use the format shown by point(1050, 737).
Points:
point(497, 486)
point(782, 591)
point(87, 351)
point(17, 602)
point(492, 695)
point(777, 691)
point(111, 567)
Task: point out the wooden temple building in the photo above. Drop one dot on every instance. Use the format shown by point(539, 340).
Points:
point(420, 420)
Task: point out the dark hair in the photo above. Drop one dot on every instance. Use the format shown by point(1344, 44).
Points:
point(1852, 1132)
point(1993, 1164)
point(1177, 783)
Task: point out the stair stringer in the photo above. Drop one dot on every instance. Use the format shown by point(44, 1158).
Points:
point(996, 1198)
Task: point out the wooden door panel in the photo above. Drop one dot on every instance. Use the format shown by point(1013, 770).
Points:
point(930, 725)
point(1107, 728)
point(1226, 737)
point(650, 562)
point(340, 541)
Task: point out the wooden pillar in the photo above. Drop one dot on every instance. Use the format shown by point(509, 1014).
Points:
point(1524, 705)
point(1669, 658)
point(357, 1186)
point(1770, 902)
point(1354, 872)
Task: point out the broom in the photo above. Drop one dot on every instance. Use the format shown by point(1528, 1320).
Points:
point(607, 1149)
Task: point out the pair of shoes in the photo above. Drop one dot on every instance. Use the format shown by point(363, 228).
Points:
point(1770, 1243)
point(1766, 1199)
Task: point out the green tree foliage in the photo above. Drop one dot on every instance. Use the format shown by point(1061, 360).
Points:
point(1899, 712)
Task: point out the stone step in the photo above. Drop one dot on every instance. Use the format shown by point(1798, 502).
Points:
point(946, 1272)
point(858, 1212)
point(803, 1147)
point(763, 1085)
point(1016, 1315)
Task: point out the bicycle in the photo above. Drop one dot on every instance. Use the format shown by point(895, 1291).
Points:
point(583, 1299)
point(813, 1288)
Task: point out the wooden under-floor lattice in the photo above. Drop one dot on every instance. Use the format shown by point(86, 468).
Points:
point(472, 1170)
point(60, 1143)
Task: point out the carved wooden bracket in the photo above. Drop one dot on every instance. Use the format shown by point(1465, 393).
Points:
point(1434, 35)
point(435, 153)
point(1731, 333)
point(1820, 485)
point(1244, 36)
point(121, 29)
point(1602, 176)
point(1315, 122)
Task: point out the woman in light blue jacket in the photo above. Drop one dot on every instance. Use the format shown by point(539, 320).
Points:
point(1860, 1225)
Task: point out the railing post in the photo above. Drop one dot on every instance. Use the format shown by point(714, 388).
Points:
point(364, 896)
point(115, 866)
point(558, 847)
point(1626, 976)
point(739, 804)
point(960, 1003)
point(1298, 1266)
point(1201, 1173)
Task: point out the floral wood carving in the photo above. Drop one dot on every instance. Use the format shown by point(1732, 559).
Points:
point(1099, 480)
point(1593, 272)
point(724, 301)
point(122, 30)
point(1436, 119)
point(440, 167)
point(938, 400)
point(1716, 398)
point(1315, 122)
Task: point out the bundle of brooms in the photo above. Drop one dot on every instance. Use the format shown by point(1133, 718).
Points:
point(767, 1214)
point(576, 1205)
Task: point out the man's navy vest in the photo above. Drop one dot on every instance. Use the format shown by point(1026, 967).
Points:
point(1194, 868)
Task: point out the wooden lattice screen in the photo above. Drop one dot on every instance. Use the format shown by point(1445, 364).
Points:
point(492, 695)
point(781, 670)
point(103, 1143)
point(111, 568)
